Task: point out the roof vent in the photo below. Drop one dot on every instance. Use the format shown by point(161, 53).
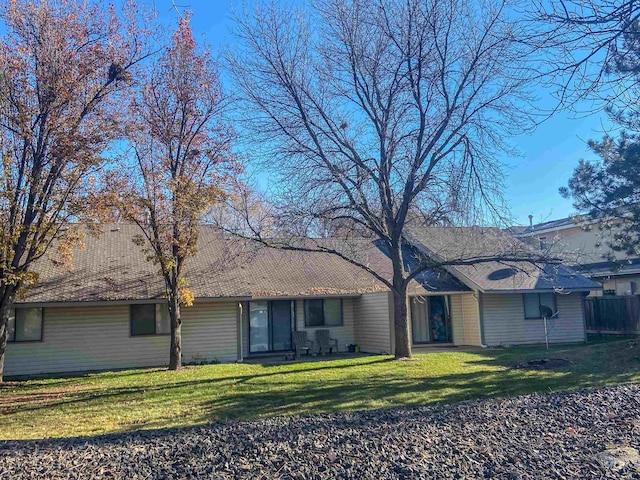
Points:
point(115, 229)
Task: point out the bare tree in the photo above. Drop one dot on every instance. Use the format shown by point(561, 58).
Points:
point(588, 49)
point(181, 163)
point(592, 49)
point(62, 67)
point(379, 113)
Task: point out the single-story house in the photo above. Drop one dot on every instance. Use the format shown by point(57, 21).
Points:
point(108, 311)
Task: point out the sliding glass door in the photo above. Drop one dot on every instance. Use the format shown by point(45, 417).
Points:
point(270, 326)
point(281, 325)
point(431, 319)
point(258, 327)
point(419, 327)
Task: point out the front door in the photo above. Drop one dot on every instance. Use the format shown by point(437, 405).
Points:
point(270, 326)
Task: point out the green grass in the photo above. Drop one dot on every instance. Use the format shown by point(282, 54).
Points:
point(153, 398)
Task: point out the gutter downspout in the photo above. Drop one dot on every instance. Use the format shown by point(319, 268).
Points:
point(240, 318)
point(479, 301)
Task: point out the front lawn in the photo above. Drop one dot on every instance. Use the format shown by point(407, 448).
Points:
point(155, 398)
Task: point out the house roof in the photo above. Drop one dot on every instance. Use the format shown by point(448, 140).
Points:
point(498, 261)
point(548, 227)
point(111, 267)
point(431, 280)
point(607, 268)
point(552, 225)
point(564, 223)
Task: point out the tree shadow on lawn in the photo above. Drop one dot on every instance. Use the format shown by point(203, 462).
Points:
point(28, 400)
point(337, 398)
point(259, 395)
point(296, 398)
point(409, 392)
point(395, 389)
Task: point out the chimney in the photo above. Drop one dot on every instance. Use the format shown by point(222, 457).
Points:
point(531, 221)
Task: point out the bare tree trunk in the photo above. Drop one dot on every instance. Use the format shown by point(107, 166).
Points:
point(7, 296)
point(401, 323)
point(400, 310)
point(175, 350)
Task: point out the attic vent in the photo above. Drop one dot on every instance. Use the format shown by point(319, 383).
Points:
point(116, 229)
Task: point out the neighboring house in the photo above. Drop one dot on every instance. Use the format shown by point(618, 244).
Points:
point(109, 312)
point(585, 246)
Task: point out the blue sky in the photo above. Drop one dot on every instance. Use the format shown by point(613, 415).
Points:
point(548, 155)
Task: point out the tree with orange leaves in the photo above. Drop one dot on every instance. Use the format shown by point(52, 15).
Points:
point(63, 68)
point(179, 165)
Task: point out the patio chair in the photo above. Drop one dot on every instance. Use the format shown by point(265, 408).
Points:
point(325, 342)
point(301, 343)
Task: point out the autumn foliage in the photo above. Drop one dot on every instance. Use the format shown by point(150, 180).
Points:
point(63, 67)
point(179, 164)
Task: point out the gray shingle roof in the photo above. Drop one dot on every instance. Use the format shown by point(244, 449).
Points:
point(519, 267)
point(432, 280)
point(112, 267)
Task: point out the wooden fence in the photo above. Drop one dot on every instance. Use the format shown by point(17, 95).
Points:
point(613, 315)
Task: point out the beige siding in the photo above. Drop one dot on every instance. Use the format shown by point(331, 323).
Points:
point(344, 333)
point(622, 285)
point(464, 320)
point(457, 320)
point(471, 320)
point(582, 246)
point(210, 331)
point(578, 246)
point(372, 322)
point(504, 322)
point(97, 338)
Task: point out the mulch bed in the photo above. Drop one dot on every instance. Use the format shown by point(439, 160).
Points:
point(529, 437)
point(544, 364)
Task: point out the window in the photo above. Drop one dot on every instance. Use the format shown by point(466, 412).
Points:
point(11, 327)
point(163, 320)
point(533, 302)
point(333, 312)
point(25, 325)
point(543, 243)
point(314, 313)
point(321, 312)
point(149, 319)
